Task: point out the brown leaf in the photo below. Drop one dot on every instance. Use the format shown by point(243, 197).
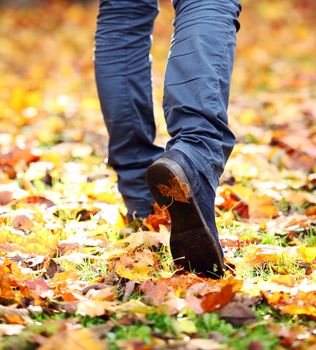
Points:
point(6, 197)
point(95, 286)
point(37, 288)
point(84, 214)
point(155, 292)
point(238, 313)
point(36, 200)
point(23, 222)
point(93, 308)
point(263, 207)
point(299, 147)
point(18, 154)
point(255, 345)
point(105, 294)
point(99, 291)
point(52, 268)
point(178, 189)
point(129, 289)
point(65, 247)
point(195, 304)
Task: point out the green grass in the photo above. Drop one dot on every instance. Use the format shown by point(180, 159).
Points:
point(153, 326)
point(308, 237)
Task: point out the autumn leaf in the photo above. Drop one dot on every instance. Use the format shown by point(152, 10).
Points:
point(300, 303)
point(79, 339)
point(6, 197)
point(23, 222)
point(200, 294)
point(230, 201)
point(18, 154)
point(178, 190)
point(221, 296)
point(36, 200)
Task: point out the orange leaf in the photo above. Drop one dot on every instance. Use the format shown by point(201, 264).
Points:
point(18, 154)
point(222, 296)
point(36, 200)
point(230, 201)
point(300, 303)
point(177, 189)
point(14, 319)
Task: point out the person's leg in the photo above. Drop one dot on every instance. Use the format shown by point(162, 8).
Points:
point(197, 82)
point(123, 76)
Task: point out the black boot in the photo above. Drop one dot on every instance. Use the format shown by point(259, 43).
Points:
point(177, 185)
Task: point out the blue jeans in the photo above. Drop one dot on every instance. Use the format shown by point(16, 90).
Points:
point(196, 90)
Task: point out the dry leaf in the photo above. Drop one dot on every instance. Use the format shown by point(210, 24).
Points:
point(79, 339)
point(23, 222)
point(178, 189)
point(6, 197)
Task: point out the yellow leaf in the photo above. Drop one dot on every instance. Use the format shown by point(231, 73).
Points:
point(183, 325)
point(308, 254)
point(138, 272)
point(79, 339)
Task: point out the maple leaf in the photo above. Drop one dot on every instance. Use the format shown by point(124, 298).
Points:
point(178, 189)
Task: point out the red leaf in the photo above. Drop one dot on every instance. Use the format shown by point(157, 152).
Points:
point(230, 201)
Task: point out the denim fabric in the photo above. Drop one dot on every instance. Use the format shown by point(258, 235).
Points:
point(196, 92)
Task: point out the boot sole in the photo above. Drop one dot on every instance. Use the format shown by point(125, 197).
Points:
point(192, 245)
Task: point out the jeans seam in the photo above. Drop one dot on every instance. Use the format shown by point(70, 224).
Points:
point(218, 70)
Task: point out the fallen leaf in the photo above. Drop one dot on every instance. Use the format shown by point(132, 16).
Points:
point(15, 319)
point(104, 294)
point(237, 313)
point(84, 214)
point(19, 154)
point(297, 303)
point(36, 200)
point(299, 147)
point(196, 293)
point(223, 296)
point(178, 190)
point(204, 344)
point(228, 200)
point(6, 197)
point(78, 339)
point(23, 222)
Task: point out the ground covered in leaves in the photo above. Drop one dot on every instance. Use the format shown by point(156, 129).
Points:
point(73, 275)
